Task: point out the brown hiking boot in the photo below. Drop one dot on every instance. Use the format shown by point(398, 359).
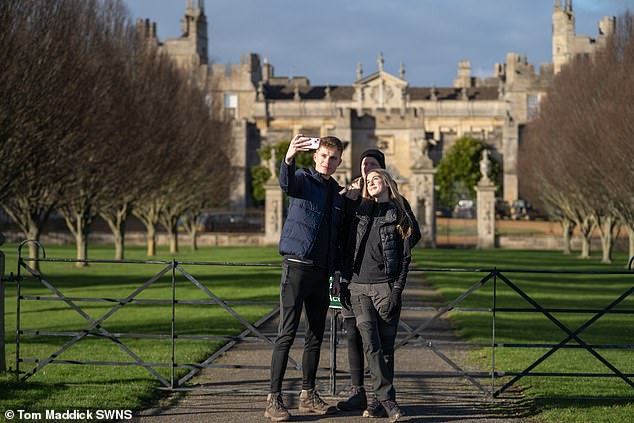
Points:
point(275, 408)
point(309, 401)
point(392, 409)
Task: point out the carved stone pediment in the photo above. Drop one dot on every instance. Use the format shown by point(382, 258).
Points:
point(381, 90)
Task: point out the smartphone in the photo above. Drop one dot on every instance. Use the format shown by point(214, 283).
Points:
point(314, 143)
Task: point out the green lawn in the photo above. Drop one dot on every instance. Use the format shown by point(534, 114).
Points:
point(97, 386)
point(73, 386)
point(556, 398)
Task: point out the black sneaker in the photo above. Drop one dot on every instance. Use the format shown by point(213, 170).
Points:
point(392, 409)
point(357, 400)
point(375, 409)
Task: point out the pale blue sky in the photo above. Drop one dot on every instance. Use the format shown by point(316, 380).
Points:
point(325, 39)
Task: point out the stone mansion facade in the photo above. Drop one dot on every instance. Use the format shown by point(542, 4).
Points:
point(412, 125)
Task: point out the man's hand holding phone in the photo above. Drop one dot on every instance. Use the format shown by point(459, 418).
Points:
point(314, 143)
point(300, 143)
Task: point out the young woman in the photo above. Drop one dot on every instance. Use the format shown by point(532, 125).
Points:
point(377, 262)
point(356, 397)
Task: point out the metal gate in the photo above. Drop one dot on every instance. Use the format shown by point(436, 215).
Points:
point(251, 333)
point(95, 327)
point(498, 277)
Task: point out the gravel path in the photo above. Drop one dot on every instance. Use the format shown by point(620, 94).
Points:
point(423, 398)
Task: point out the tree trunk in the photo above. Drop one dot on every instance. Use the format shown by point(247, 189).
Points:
point(585, 247)
point(169, 220)
point(173, 236)
point(33, 233)
point(586, 226)
point(151, 239)
point(149, 215)
point(567, 227)
point(194, 241)
point(190, 222)
point(606, 228)
point(81, 240)
point(116, 220)
point(78, 217)
point(630, 233)
point(119, 243)
point(30, 219)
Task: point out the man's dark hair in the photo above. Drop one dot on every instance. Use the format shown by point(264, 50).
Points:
point(332, 142)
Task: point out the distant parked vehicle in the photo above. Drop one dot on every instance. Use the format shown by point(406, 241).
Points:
point(522, 209)
point(502, 209)
point(231, 222)
point(443, 211)
point(465, 209)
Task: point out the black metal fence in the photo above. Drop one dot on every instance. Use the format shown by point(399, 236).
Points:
point(95, 328)
point(494, 278)
point(498, 278)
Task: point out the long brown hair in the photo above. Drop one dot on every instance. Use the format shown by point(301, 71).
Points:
point(404, 224)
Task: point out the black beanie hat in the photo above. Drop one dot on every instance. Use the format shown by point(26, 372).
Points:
point(377, 154)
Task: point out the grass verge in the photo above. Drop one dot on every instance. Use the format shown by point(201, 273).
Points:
point(93, 386)
point(101, 387)
point(557, 399)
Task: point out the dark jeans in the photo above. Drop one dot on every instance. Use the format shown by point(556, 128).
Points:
point(302, 286)
point(378, 331)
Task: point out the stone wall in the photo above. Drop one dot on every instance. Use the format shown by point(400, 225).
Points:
point(205, 239)
point(552, 242)
point(225, 239)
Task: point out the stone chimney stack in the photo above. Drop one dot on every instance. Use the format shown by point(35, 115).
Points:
point(464, 75)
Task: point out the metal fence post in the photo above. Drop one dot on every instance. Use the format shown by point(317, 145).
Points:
point(172, 365)
point(495, 297)
point(333, 351)
point(3, 364)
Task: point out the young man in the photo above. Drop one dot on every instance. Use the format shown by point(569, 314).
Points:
point(309, 244)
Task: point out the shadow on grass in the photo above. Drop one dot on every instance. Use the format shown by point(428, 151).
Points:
point(31, 395)
point(255, 277)
point(516, 409)
point(14, 392)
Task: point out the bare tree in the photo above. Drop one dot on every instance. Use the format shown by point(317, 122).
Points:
point(98, 27)
point(576, 155)
point(203, 144)
point(210, 179)
point(44, 84)
point(127, 175)
point(161, 84)
point(95, 120)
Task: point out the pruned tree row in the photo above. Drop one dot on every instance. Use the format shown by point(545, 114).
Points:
point(95, 121)
point(577, 157)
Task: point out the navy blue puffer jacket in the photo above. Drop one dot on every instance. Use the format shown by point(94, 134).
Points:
point(308, 193)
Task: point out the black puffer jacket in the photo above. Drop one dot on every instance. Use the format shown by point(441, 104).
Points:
point(396, 251)
point(352, 195)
